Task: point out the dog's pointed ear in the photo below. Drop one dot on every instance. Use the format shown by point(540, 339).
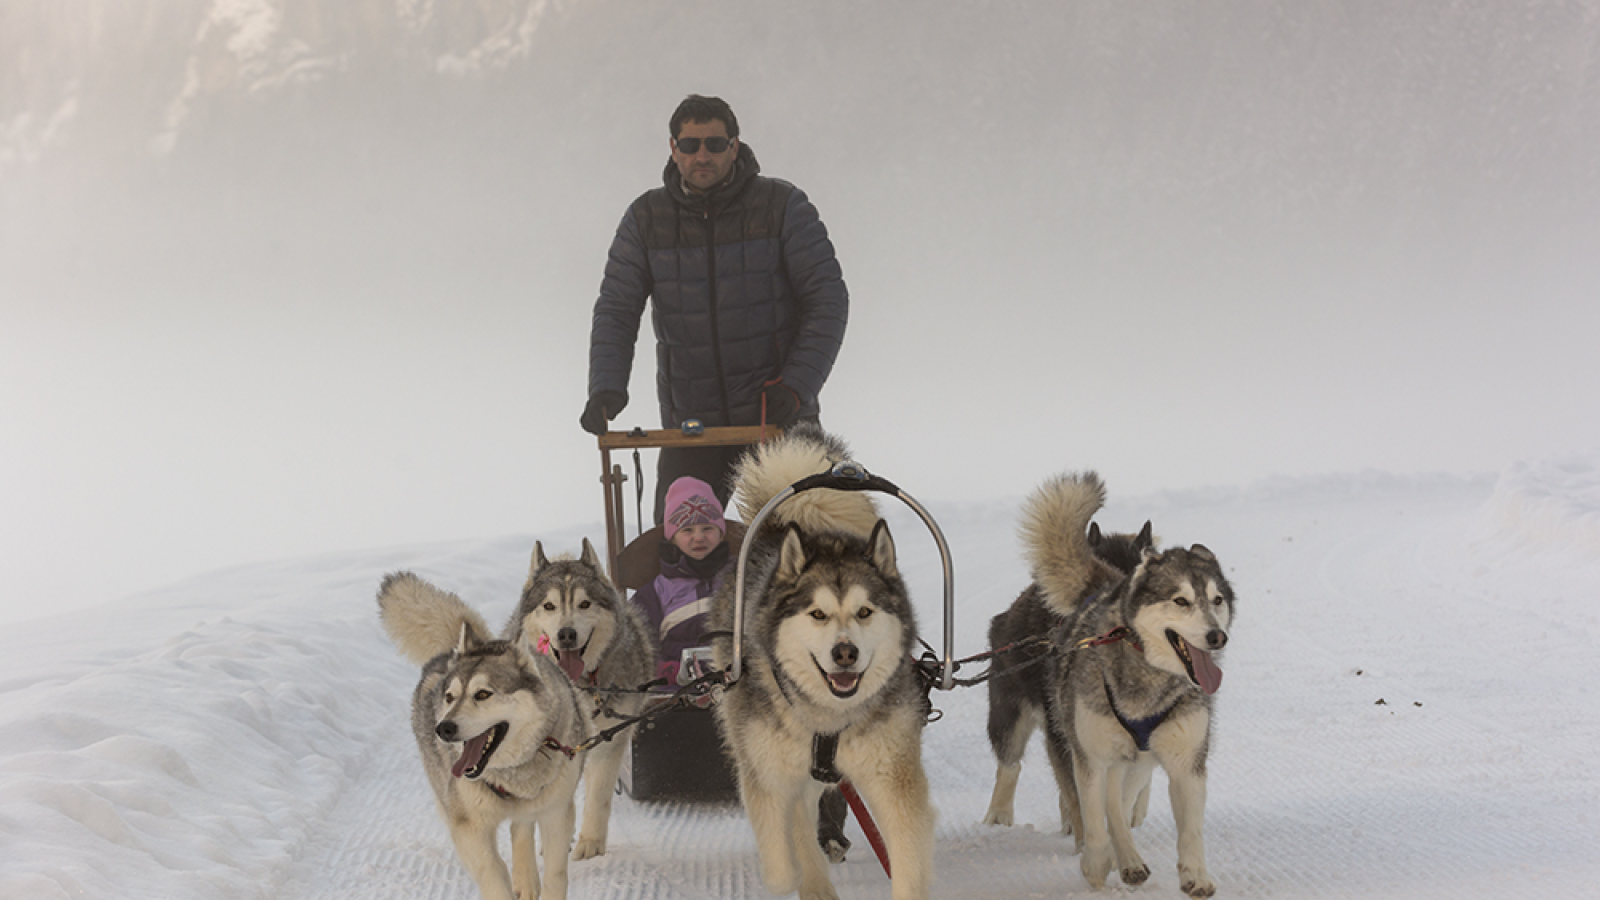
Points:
point(590, 558)
point(1095, 537)
point(880, 550)
point(1201, 551)
point(1147, 555)
point(467, 640)
point(1146, 539)
point(539, 559)
point(792, 556)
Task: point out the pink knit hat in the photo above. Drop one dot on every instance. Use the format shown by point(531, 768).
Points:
point(691, 501)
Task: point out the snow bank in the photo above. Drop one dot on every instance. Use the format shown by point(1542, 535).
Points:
point(196, 766)
point(1554, 503)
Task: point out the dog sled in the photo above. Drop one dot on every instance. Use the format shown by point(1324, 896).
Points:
point(679, 755)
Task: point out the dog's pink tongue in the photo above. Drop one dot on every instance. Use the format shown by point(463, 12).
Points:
point(1205, 670)
point(471, 754)
point(571, 662)
point(843, 681)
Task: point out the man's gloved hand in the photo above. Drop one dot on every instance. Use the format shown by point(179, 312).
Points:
point(602, 408)
point(779, 403)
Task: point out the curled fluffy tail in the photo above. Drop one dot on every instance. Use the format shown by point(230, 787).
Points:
point(1055, 520)
point(424, 621)
point(801, 452)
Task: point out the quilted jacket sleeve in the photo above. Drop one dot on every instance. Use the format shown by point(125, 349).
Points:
point(824, 302)
point(617, 313)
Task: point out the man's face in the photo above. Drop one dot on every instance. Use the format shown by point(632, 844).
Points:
point(702, 169)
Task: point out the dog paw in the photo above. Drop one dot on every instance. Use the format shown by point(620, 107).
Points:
point(1196, 885)
point(835, 848)
point(998, 817)
point(1095, 863)
point(588, 848)
point(1135, 875)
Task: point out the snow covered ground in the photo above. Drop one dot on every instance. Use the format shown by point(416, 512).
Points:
point(1405, 715)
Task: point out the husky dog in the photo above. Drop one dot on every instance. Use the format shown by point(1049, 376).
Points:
point(1017, 691)
point(570, 610)
point(497, 727)
point(827, 671)
point(1130, 682)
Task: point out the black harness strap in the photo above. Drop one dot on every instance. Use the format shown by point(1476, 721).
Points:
point(824, 747)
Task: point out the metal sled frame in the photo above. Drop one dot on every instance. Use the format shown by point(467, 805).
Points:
point(848, 476)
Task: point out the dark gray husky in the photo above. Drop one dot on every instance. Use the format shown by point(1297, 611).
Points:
point(1018, 688)
point(1130, 681)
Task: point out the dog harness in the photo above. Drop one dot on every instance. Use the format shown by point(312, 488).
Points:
point(1138, 729)
point(1119, 633)
point(824, 747)
point(549, 743)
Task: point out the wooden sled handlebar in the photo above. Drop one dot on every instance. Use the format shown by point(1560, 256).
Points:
point(722, 436)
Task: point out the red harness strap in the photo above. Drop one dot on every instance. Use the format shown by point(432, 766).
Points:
point(549, 742)
point(1120, 633)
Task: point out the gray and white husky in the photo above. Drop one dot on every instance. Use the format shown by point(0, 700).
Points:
point(1018, 688)
point(828, 636)
point(497, 727)
point(570, 611)
point(1130, 682)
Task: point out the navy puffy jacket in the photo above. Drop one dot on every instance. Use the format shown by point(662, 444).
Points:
point(744, 288)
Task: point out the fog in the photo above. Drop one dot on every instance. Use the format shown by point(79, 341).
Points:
point(284, 277)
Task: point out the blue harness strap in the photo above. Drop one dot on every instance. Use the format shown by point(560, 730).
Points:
point(1138, 729)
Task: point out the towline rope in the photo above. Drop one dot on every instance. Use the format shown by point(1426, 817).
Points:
point(685, 696)
point(929, 665)
point(929, 668)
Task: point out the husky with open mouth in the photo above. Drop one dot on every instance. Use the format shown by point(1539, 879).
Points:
point(571, 612)
point(497, 727)
point(1021, 680)
point(1130, 682)
point(828, 687)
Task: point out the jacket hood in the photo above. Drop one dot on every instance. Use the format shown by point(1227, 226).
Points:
point(745, 167)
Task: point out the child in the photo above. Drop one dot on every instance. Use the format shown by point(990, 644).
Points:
point(693, 557)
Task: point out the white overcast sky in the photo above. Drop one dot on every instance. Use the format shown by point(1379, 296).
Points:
point(275, 281)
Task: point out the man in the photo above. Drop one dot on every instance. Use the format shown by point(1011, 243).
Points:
point(749, 304)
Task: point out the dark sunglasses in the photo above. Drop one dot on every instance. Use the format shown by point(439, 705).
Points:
point(691, 146)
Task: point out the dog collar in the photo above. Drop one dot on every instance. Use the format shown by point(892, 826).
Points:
point(1119, 633)
point(553, 744)
point(549, 742)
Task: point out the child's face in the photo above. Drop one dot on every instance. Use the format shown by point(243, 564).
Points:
point(696, 541)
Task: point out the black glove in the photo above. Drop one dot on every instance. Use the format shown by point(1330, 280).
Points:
point(602, 408)
point(780, 404)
